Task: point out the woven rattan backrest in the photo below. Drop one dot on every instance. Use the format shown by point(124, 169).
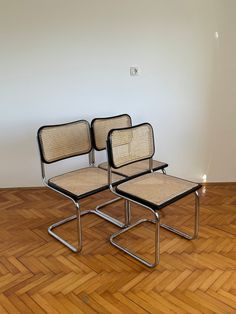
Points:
point(129, 145)
point(57, 142)
point(102, 126)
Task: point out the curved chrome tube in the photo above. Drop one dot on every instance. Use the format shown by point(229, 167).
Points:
point(157, 227)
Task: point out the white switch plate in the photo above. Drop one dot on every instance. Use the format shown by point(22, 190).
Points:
point(133, 71)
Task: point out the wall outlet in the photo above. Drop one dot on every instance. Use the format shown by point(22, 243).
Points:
point(133, 71)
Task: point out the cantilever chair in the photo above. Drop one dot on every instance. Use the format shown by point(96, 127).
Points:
point(100, 128)
point(152, 190)
point(58, 142)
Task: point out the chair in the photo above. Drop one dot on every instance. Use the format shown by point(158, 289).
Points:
point(59, 142)
point(152, 190)
point(100, 128)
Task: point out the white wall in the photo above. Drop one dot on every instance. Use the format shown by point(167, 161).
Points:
point(65, 60)
point(221, 163)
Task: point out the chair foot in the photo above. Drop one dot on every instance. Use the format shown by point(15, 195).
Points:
point(114, 221)
point(131, 253)
point(82, 213)
point(196, 223)
point(60, 239)
point(178, 232)
point(107, 217)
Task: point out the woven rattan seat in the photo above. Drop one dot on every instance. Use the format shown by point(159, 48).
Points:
point(83, 182)
point(156, 189)
point(132, 170)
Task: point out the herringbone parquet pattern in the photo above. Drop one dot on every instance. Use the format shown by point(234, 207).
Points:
point(39, 275)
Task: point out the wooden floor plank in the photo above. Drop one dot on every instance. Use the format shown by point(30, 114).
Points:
point(39, 275)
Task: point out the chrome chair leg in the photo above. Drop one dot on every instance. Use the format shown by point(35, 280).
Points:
point(157, 239)
point(127, 213)
point(78, 216)
point(79, 229)
point(111, 219)
point(197, 214)
point(196, 223)
point(157, 223)
point(107, 217)
point(134, 255)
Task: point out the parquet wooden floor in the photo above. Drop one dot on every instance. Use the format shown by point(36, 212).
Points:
point(39, 275)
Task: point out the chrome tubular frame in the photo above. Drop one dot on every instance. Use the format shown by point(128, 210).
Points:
point(157, 240)
point(157, 227)
point(127, 210)
point(97, 210)
point(127, 213)
point(78, 215)
point(196, 223)
point(107, 217)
